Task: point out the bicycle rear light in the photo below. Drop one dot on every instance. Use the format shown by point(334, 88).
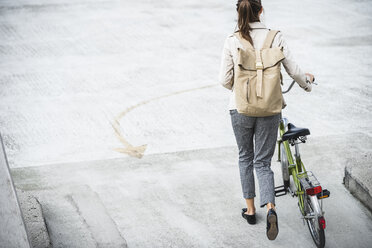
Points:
point(309, 182)
point(314, 190)
point(322, 223)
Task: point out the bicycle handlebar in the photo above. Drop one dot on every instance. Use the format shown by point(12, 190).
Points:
point(289, 88)
point(293, 82)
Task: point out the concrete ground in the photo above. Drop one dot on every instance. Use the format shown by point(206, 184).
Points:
point(89, 87)
point(189, 199)
point(69, 68)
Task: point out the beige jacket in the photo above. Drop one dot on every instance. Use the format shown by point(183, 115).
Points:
point(258, 34)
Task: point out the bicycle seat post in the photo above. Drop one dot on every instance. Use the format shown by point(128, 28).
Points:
point(295, 143)
point(297, 150)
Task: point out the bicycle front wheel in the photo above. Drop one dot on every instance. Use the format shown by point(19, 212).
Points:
point(314, 219)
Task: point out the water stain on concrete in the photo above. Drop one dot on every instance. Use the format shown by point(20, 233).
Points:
point(139, 151)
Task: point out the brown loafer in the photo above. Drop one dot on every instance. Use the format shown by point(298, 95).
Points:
point(272, 228)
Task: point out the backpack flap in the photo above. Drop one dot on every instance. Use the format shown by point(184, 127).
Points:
point(271, 56)
point(246, 59)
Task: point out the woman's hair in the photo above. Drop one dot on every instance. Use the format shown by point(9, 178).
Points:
point(247, 12)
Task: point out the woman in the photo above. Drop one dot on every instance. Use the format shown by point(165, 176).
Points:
point(263, 130)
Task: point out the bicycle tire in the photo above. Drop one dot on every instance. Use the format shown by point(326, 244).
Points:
point(317, 233)
point(284, 164)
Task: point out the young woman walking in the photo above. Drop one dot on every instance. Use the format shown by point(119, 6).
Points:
point(256, 136)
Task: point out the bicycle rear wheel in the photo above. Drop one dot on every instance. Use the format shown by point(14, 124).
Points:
point(314, 220)
point(284, 163)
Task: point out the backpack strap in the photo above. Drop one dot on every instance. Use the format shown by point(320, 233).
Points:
point(259, 66)
point(245, 43)
point(269, 38)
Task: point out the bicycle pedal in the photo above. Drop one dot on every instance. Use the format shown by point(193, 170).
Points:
point(280, 191)
point(324, 194)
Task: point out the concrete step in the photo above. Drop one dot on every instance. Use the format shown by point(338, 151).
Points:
point(76, 217)
point(34, 220)
point(101, 226)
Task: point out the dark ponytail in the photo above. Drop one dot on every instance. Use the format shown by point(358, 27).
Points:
point(247, 12)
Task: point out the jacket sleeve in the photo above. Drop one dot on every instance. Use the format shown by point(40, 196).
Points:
point(291, 66)
point(226, 76)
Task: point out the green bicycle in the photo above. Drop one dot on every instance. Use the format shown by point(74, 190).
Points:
point(300, 182)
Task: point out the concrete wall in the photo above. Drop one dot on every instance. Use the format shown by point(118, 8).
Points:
point(358, 178)
point(12, 229)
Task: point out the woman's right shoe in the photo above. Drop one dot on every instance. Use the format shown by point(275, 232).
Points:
point(272, 228)
point(250, 218)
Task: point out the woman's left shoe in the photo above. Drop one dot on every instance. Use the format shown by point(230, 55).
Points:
point(272, 228)
point(250, 218)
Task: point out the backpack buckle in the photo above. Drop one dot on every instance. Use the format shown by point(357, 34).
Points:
point(259, 65)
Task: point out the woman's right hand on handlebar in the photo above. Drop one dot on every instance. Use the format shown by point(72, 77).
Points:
point(310, 77)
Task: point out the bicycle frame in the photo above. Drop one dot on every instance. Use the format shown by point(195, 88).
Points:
point(295, 166)
point(305, 185)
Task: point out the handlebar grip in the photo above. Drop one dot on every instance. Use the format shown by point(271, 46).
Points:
point(308, 79)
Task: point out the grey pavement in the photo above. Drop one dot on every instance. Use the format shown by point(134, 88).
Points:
point(68, 68)
point(85, 85)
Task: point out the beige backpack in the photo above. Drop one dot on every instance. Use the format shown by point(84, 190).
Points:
point(257, 78)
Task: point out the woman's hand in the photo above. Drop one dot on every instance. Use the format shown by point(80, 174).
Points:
point(311, 77)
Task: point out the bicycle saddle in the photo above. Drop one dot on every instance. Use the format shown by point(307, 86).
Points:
point(294, 132)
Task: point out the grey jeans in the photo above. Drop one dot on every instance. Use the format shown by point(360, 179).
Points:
point(256, 138)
